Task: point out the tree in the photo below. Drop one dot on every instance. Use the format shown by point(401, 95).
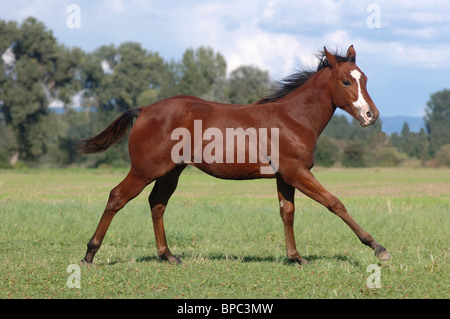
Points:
point(437, 119)
point(27, 83)
point(7, 145)
point(423, 146)
point(171, 80)
point(247, 84)
point(327, 152)
point(118, 79)
point(200, 71)
point(353, 155)
point(338, 128)
point(384, 155)
point(405, 141)
point(138, 74)
point(414, 145)
point(443, 155)
point(357, 133)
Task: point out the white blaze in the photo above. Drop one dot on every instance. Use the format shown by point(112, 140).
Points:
point(360, 103)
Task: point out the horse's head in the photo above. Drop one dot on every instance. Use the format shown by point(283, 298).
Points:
point(348, 88)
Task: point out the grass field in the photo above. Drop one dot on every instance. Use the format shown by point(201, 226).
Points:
point(229, 236)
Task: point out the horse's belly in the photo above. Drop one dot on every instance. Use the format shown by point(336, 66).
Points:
point(236, 171)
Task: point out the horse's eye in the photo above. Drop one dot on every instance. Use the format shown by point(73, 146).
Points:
point(346, 83)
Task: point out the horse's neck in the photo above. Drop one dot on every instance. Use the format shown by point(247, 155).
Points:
point(311, 104)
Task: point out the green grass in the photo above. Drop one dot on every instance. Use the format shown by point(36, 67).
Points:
point(229, 236)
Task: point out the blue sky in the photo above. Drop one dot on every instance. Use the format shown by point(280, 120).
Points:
point(402, 46)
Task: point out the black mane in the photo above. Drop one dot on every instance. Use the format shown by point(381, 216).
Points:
point(297, 79)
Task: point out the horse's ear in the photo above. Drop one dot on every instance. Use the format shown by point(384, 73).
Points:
point(351, 54)
point(330, 57)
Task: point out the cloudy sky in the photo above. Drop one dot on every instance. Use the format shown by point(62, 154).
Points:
point(402, 46)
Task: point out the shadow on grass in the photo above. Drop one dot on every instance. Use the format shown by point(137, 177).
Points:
point(253, 259)
point(142, 259)
point(246, 259)
point(338, 257)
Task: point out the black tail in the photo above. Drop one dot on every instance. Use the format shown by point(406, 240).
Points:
point(111, 135)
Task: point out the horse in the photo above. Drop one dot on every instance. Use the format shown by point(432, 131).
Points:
point(170, 134)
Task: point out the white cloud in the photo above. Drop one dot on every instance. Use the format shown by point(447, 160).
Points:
point(279, 34)
point(56, 103)
point(422, 33)
point(106, 67)
point(426, 56)
point(116, 6)
point(9, 58)
point(416, 14)
point(393, 54)
point(278, 53)
point(241, 31)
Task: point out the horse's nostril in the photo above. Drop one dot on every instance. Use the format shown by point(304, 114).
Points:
point(369, 114)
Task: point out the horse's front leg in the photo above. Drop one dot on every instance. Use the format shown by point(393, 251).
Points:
point(305, 182)
point(287, 209)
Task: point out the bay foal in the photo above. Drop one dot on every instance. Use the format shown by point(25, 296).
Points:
point(165, 139)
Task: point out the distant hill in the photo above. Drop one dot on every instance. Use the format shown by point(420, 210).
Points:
point(395, 124)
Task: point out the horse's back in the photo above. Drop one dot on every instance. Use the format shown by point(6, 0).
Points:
point(152, 138)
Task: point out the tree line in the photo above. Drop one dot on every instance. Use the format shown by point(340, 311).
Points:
point(93, 88)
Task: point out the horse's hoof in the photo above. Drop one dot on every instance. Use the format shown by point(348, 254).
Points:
point(174, 261)
point(383, 255)
point(85, 262)
point(171, 259)
point(299, 260)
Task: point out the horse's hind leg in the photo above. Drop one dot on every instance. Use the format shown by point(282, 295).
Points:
point(158, 199)
point(128, 189)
